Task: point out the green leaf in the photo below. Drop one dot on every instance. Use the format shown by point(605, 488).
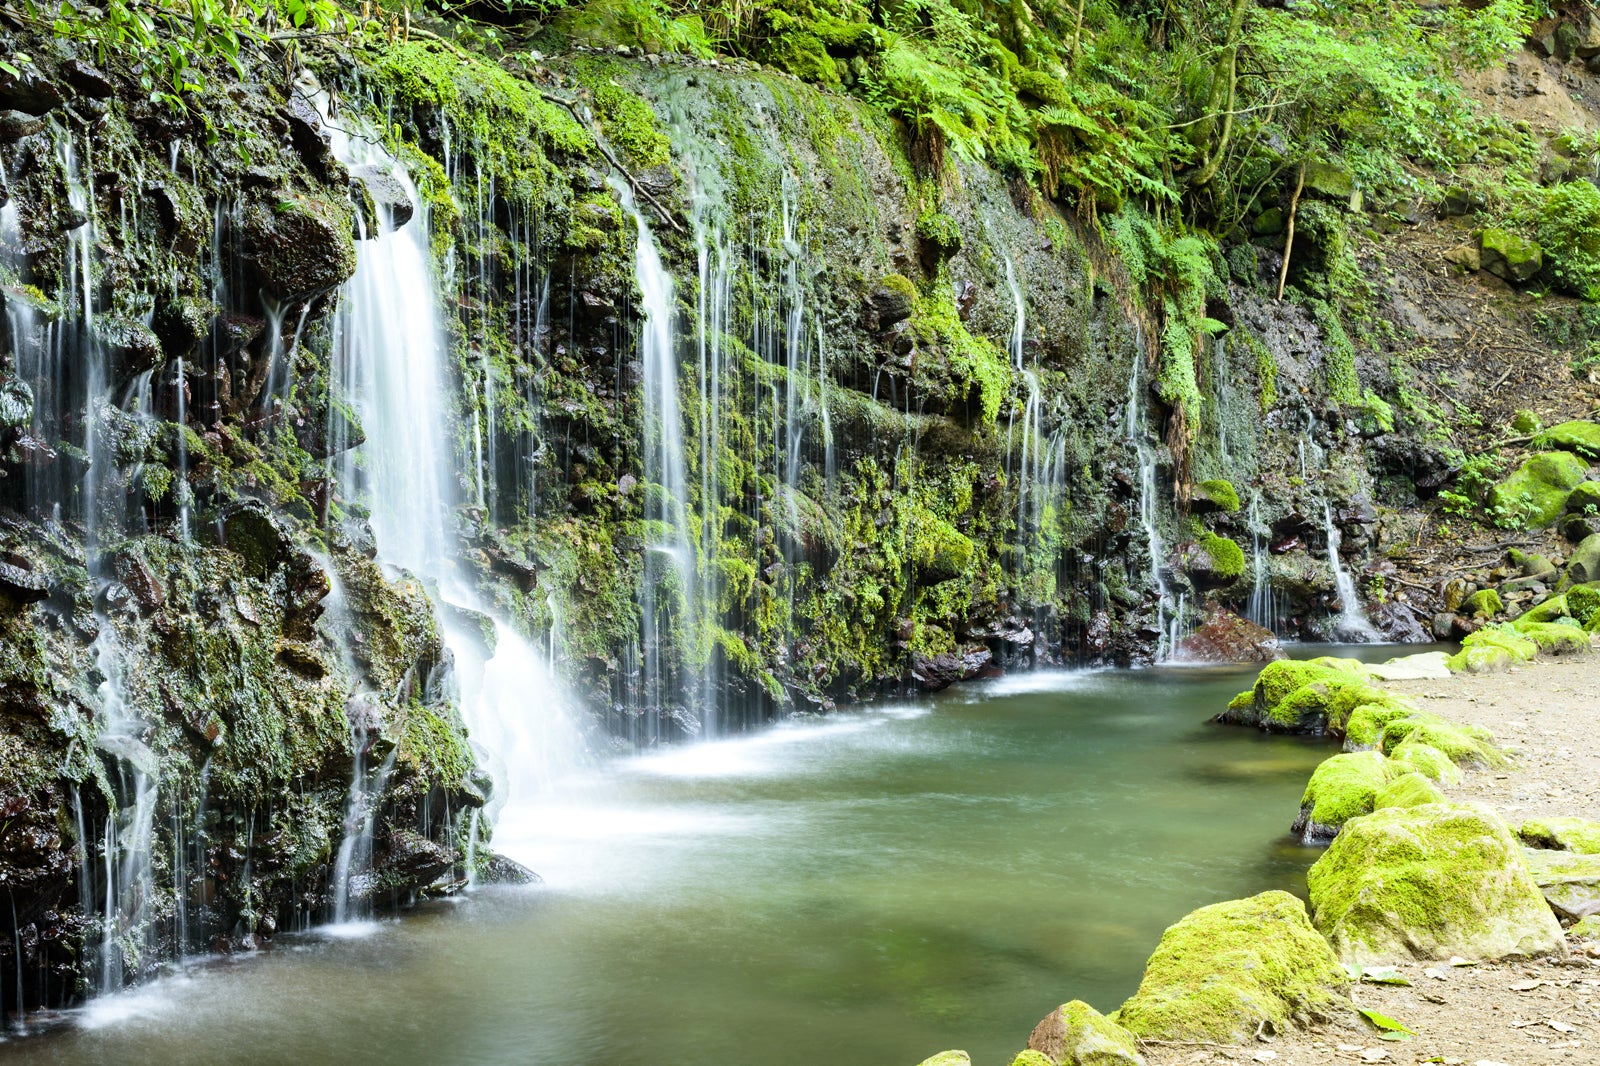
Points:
point(1383, 1021)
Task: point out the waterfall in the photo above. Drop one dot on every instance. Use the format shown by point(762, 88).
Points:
point(390, 357)
point(1263, 609)
point(715, 261)
point(667, 589)
point(1148, 501)
point(1352, 624)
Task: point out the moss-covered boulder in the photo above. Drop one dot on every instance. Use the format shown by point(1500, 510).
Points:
point(1213, 561)
point(1364, 728)
point(1547, 610)
point(1407, 790)
point(948, 1058)
point(1580, 437)
point(1492, 649)
point(1562, 834)
point(1075, 1034)
point(1341, 788)
point(1031, 1057)
point(1463, 745)
point(1225, 971)
point(1508, 256)
point(1211, 496)
point(1556, 638)
point(1583, 606)
point(1584, 497)
point(1429, 882)
point(1485, 603)
point(1416, 756)
point(1570, 881)
point(1535, 494)
point(1583, 565)
point(1304, 696)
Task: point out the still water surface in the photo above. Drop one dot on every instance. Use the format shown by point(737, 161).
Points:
point(859, 891)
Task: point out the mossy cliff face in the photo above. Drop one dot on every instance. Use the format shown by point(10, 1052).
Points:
point(196, 658)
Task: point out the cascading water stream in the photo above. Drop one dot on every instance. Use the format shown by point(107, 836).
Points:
point(391, 357)
point(1352, 624)
point(1148, 500)
point(1263, 608)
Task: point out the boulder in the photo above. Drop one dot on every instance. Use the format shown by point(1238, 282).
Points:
point(1224, 637)
point(1569, 880)
point(948, 1058)
point(1562, 834)
point(1535, 494)
point(495, 869)
point(1075, 1034)
point(1304, 696)
point(1427, 665)
point(1407, 790)
point(20, 587)
point(1508, 256)
point(1417, 756)
point(299, 245)
point(1580, 437)
point(1341, 788)
point(934, 673)
point(389, 197)
point(1583, 566)
point(1583, 498)
point(1484, 603)
point(1429, 882)
point(1557, 638)
point(1213, 561)
point(1226, 972)
point(1492, 649)
point(1463, 745)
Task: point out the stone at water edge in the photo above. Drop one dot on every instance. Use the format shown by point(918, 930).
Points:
point(1408, 790)
point(1569, 880)
point(1424, 666)
point(1429, 882)
point(1031, 1058)
point(948, 1058)
point(1341, 788)
point(1224, 637)
point(1225, 972)
point(1296, 696)
point(1075, 1034)
point(1562, 834)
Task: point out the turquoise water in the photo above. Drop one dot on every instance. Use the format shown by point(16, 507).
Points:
point(862, 890)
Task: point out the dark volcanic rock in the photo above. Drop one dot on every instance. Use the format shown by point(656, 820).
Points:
point(1224, 637)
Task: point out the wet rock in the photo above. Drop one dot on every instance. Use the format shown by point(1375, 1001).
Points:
point(298, 245)
point(132, 346)
point(88, 79)
point(1224, 637)
point(388, 194)
point(932, 674)
point(302, 659)
point(15, 125)
point(1397, 623)
point(182, 323)
point(496, 869)
point(1341, 788)
point(410, 862)
point(20, 587)
point(141, 582)
point(256, 535)
point(1430, 882)
point(891, 300)
point(28, 91)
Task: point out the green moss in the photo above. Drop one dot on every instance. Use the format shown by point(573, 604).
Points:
point(1493, 648)
point(948, 1058)
point(1583, 604)
point(1562, 834)
point(1535, 494)
point(1580, 437)
point(1224, 971)
point(1548, 611)
point(628, 122)
point(1226, 556)
point(1484, 603)
point(1220, 494)
point(1304, 696)
point(1341, 788)
point(1407, 790)
point(1364, 727)
point(1033, 1058)
point(1077, 1034)
point(1427, 760)
point(1464, 745)
point(1431, 882)
point(1556, 638)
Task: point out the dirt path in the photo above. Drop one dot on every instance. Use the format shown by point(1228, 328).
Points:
point(1533, 1012)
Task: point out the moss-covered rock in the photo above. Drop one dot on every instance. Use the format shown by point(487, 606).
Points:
point(1341, 788)
point(1556, 638)
point(1583, 605)
point(1213, 561)
point(1583, 565)
point(1423, 758)
point(1464, 745)
point(1224, 971)
point(1580, 437)
point(1303, 696)
point(1407, 790)
point(1364, 728)
point(1493, 648)
point(1214, 495)
point(1508, 256)
point(1075, 1034)
point(948, 1058)
point(1031, 1057)
point(1485, 603)
point(1562, 834)
point(1535, 494)
point(1569, 880)
point(1429, 882)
